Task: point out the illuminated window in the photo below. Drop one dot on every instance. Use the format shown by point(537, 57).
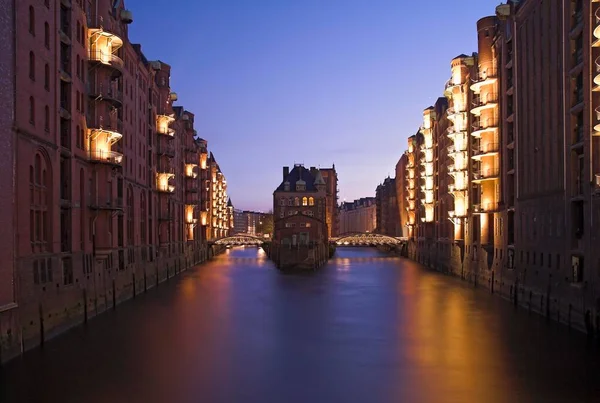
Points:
point(305, 201)
point(311, 201)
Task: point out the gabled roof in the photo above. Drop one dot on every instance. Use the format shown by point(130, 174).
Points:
point(299, 173)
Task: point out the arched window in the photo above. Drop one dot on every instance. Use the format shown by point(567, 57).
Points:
point(31, 65)
point(282, 201)
point(47, 77)
point(77, 138)
point(47, 35)
point(47, 118)
point(78, 66)
point(39, 226)
point(311, 201)
point(32, 110)
point(296, 201)
point(31, 20)
point(305, 201)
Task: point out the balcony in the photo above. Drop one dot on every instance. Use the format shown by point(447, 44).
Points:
point(106, 157)
point(103, 136)
point(453, 113)
point(455, 129)
point(451, 85)
point(481, 126)
point(167, 150)
point(107, 59)
point(483, 102)
point(113, 204)
point(190, 171)
point(106, 91)
point(485, 174)
point(486, 77)
point(457, 189)
point(597, 28)
point(488, 207)
point(191, 185)
point(485, 150)
point(162, 182)
point(162, 125)
point(596, 74)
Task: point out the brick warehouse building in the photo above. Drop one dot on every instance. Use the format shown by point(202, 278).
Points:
point(111, 180)
point(300, 230)
point(518, 147)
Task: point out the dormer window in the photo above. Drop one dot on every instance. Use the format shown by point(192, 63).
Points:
point(300, 187)
point(286, 186)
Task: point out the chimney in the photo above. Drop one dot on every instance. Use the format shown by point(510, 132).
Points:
point(313, 171)
point(286, 172)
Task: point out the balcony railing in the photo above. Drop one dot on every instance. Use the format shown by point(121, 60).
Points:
point(115, 203)
point(487, 173)
point(485, 148)
point(106, 157)
point(597, 25)
point(482, 125)
point(166, 150)
point(106, 58)
point(106, 91)
point(485, 207)
point(484, 99)
point(191, 185)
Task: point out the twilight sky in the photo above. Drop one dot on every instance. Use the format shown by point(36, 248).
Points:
point(278, 82)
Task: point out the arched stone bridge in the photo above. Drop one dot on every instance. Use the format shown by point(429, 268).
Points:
point(367, 239)
point(238, 240)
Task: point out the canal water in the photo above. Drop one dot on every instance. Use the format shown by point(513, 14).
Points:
point(366, 328)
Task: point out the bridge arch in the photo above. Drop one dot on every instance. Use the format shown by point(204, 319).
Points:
point(367, 239)
point(239, 240)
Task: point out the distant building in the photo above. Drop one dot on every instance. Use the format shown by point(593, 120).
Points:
point(402, 180)
point(248, 222)
point(358, 216)
point(388, 221)
point(300, 237)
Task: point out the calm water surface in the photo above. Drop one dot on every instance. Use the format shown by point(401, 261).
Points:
point(367, 328)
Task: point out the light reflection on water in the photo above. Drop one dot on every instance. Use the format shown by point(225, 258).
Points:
point(366, 328)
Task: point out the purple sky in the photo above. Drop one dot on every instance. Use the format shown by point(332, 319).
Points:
point(273, 82)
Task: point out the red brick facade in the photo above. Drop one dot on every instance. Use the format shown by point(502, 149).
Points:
point(112, 183)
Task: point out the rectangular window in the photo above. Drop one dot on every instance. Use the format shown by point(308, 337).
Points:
point(36, 273)
point(67, 271)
